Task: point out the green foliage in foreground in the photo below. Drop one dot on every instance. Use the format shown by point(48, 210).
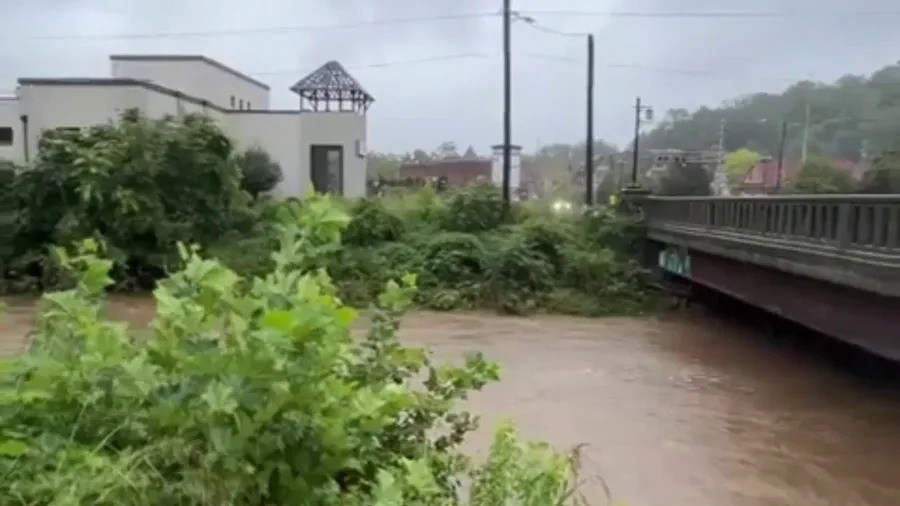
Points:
point(250, 391)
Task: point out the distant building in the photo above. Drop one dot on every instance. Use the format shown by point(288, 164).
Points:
point(462, 172)
point(321, 144)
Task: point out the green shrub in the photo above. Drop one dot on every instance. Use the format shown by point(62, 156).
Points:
point(520, 276)
point(475, 210)
point(372, 223)
point(455, 267)
point(259, 173)
point(139, 185)
point(249, 392)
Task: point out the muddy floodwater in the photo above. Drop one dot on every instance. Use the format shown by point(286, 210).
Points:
point(684, 411)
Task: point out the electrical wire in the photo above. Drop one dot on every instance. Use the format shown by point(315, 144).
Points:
point(710, 14)
point(449, 17)
point(263, 30)
point(534, 56)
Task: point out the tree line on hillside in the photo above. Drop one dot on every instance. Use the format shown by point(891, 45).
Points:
point(854, 120)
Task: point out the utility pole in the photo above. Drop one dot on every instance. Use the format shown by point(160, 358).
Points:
point(720, 177)
point(803, 148)
point(638, 107)
point(781, 145)
point(507, 101)
point(637, 140)
point(589, 141)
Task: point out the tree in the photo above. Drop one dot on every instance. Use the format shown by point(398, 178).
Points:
point(446, 151)
point(685, 179)
point(821, 176)
point(884, 176)
point(737, 163)
point(259, 173)
point(847, 118)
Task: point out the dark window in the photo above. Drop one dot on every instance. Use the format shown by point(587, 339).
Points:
point(232, 101)
point(68, 129)
point(248, 105)
point(241, 103)
point(327, 168)
point(6, 136)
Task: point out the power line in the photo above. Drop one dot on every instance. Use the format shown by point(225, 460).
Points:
point(263, 30)
point(710, 14)
point(541, 56)
point(453, 17)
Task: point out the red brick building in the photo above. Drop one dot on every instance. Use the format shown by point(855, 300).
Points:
point(460, 172)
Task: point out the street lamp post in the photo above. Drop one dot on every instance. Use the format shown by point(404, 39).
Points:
point(648, 116)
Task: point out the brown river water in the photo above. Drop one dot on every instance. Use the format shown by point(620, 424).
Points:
point(680, 411)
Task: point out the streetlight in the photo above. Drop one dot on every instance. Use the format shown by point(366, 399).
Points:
point(648, 116)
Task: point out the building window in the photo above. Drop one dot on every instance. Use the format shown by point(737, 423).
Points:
point(241, 103)
point(6, 136)
point(232, 101)
point(248, 105)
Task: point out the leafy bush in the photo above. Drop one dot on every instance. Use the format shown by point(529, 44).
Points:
point(259, 173)
point(455, 267)
point(479, 209)
point(372, 223)
point(139, 185)
point(249, 392)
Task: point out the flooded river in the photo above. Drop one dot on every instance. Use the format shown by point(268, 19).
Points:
point(685, 411)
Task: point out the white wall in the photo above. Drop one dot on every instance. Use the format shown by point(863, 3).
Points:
point(336, 128)
point(193, 76)
point(515, 169)
point(286, 135)
point(74, 105)
point(9, 118)
point(279, 134)
point(81, 105)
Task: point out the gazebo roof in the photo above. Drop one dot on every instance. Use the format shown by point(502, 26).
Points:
point(332, 82)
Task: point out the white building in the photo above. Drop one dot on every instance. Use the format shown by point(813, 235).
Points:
point(320, 145)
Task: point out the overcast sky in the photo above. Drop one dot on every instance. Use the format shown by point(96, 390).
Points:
point(669, 61)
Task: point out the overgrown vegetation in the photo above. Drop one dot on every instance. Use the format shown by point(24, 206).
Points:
point(142, 186)
point(250, 391)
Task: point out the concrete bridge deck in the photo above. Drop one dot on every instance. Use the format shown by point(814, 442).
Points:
point(830, 262)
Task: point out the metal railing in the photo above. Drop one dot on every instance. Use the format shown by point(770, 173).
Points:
point(855, 222)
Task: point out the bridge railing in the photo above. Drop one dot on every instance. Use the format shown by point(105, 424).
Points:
point(863, 222)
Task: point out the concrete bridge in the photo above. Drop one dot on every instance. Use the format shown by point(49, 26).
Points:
point(828, 262)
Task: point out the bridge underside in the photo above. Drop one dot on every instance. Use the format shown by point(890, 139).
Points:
point(863, 318)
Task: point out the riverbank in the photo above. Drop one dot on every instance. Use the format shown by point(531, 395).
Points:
point(677, 411)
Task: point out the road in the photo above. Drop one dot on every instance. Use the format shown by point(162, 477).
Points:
point(684, 411)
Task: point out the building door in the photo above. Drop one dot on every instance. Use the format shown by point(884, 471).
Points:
point(326, 168)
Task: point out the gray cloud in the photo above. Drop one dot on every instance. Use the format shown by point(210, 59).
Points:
point(671, 62)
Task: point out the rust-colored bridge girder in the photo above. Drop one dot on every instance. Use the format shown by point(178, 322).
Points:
point(829, 262)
